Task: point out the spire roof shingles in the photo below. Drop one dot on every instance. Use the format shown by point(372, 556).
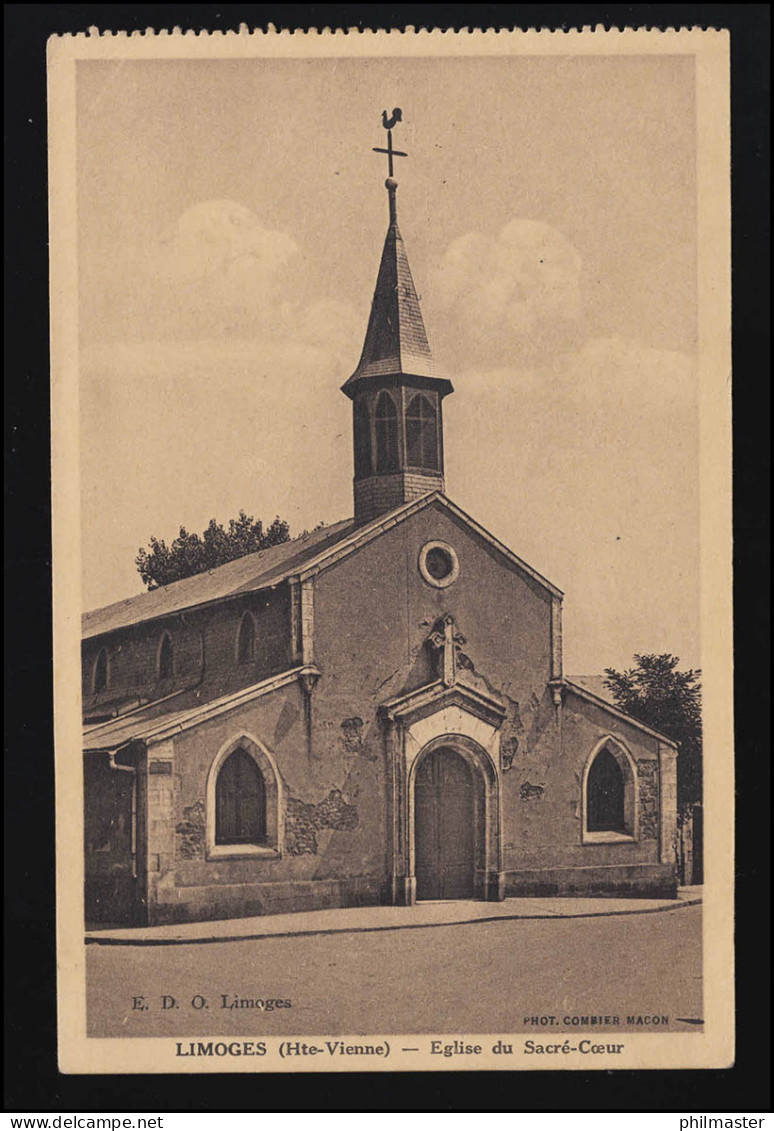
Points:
point(396, 339)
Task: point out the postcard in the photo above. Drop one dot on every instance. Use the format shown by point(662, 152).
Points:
point(392, 550)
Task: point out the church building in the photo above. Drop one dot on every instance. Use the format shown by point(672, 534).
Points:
point(373, 713)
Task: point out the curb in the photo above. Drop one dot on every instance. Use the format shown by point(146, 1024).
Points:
point(91, 940)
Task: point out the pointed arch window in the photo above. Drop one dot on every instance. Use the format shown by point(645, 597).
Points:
point(386, 433)
point(166, 658)
point(605, 798)
point(362, 430)
point(246, 640)
point(101, 670)
point(243, 802)
point(609, 794)
point(421, 433)
point(240, 801)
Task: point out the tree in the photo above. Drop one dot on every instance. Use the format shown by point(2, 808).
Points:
point(189, 554)
point(657, 694)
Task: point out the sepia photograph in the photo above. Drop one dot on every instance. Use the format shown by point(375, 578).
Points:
point(391, 449)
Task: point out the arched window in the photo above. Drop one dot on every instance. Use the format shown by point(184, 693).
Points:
point(386, 433)
point(610, 793)
point(101, 670)
point(362, 430)
point(421, 433)
point(243, 802)
point(240, 801)
point(166, 658)
point(605, 791)
point(246, 640)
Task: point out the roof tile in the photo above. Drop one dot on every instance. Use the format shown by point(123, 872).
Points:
point(244, 575)
point(396, 339)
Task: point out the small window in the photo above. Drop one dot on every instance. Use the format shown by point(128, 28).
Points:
point(101, 670)
point(605, 795)
point(246, 641)
point(240, 801)
point(362, 430)
point(166, 658)
point(386, 434)
point(438, 564)
point(421, 433)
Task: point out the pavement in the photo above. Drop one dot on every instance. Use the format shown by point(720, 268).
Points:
point(352, 920)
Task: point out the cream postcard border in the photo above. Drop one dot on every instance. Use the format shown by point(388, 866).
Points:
point(714, 1048)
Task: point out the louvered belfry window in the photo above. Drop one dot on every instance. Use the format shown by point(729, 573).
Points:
point(386, 433)
point(240, 801)
point(421, 433)
point(362, 439)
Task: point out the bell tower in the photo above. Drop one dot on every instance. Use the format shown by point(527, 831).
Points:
point(396, 396)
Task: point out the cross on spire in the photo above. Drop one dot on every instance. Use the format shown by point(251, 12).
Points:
point(389, 124)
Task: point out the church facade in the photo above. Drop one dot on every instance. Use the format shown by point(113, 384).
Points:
point(375, 712)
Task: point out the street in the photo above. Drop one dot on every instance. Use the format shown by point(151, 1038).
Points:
point(471, 978)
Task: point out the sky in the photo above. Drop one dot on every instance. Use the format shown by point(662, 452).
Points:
point(231, 215)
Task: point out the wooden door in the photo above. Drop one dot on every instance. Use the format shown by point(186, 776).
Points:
point(445, 827)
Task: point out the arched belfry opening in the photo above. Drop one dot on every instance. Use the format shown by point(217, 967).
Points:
point(422, 432)
point(361, 424)
point(386, 427)
point(396, 394)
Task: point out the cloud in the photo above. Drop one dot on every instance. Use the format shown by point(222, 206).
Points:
point(219, 272)
point(513, 296)
point(222, 394)
point(590, 473)
point(223, 244)
point(179, 432)
point(626, 376)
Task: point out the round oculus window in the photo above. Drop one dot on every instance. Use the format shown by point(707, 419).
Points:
point(438, 564)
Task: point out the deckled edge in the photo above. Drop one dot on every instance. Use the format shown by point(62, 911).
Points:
point(278, 31)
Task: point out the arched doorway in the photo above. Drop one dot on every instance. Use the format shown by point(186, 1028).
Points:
point(447, 826)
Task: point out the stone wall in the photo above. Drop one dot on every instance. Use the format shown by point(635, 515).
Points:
point(645, 881)
point(331, 840)
point(647, 773)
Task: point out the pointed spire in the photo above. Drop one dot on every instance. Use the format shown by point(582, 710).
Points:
point(397, 415)
point(396, 341)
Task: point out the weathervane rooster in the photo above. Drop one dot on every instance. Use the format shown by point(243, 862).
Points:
point(389, 124)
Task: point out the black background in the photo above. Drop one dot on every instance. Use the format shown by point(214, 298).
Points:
point(32, 1082)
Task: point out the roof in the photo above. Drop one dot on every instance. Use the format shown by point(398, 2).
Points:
point(117, 733)
point(302, 558)
point(611, 709)
point(396, 340)
point(377, 526)
point(594, 684)
point(245, 575)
